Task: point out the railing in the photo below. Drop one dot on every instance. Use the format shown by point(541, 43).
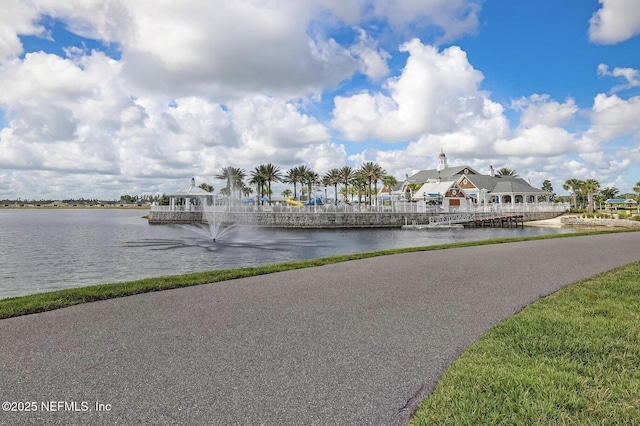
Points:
point(394, 208)
point(448, 219)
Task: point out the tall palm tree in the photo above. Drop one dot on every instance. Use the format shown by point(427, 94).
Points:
point(325, 181)
point(367, 170)
point(310, 178)
point(346, 176)
point(271, 173)
point(359, 183)
point(506, 171)
point(573, 185)
point(378, 173)
point(590, 186)
point(293, 176)
point(259, 180)
point(333, 177)
point(234, 177)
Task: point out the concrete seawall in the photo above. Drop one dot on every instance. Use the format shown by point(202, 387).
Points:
point(597, 223)
point(311, 219)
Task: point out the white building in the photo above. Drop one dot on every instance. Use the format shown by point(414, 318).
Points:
point(462, 186)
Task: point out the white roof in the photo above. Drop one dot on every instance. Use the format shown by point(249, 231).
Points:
point(193, 190)
point(432, 188)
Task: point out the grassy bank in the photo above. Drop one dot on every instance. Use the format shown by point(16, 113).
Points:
point(58, 299)
point(572, 358)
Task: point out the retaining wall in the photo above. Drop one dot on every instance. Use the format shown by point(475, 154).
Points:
point(597, 223)
point(159, 217)
point(310, 220)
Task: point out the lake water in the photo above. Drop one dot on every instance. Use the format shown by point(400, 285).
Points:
point(44, 250)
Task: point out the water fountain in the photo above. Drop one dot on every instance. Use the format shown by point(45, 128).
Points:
point(214, 216)
point(213, 228)
point(214, 222)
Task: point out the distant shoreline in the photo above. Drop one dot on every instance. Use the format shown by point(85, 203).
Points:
point(94, 207)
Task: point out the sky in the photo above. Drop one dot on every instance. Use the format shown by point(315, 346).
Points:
point(100, 98)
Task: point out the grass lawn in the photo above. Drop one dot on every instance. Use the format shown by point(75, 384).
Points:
point(572, 358)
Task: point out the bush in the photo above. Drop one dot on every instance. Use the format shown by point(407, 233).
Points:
point(623, 214)
point(635, 217)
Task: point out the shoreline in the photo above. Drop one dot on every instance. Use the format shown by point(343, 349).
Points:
point(555, 222)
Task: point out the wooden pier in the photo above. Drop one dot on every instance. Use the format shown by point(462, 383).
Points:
point(502, 221)
point(476, 220)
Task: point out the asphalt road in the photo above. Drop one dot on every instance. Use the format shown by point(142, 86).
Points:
point(355, 343)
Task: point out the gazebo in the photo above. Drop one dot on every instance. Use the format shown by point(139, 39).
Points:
point(614, 203)
point(190, 198)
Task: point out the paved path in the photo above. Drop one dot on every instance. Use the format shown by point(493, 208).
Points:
point(356, 343)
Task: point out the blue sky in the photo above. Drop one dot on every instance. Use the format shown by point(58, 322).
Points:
point(102, 98)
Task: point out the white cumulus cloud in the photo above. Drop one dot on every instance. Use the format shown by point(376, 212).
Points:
point(541, 109)
point(615, 21)
point(632, 76)
point(436, 91)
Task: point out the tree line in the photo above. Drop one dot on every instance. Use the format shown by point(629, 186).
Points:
point(362, 181)
point(587, 193)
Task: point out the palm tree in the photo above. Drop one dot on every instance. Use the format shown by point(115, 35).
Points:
point(234, 177)
point(309, 177)
point(333, 177)
point(247, 191)
point(326, 181)
point(636, 189)
point(378, 173)
point(389, 182)
point(573, 185)
point(271, 173)
point(259, 180)
point(359, 183)
point(346, 176)
point(367, 170)
point(206, 187)
point(293, 176)
point(608, 193)
point(506, 171)
point(286, 193)
point(590, 186)
point(373, 173)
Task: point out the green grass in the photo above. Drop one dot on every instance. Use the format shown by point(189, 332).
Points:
point(42, 302)
point(572, 358)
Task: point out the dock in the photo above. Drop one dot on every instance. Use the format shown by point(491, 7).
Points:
point(502, 221)
point(477, 220)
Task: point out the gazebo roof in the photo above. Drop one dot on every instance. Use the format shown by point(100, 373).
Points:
point(192, 190)
point(620, 201)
